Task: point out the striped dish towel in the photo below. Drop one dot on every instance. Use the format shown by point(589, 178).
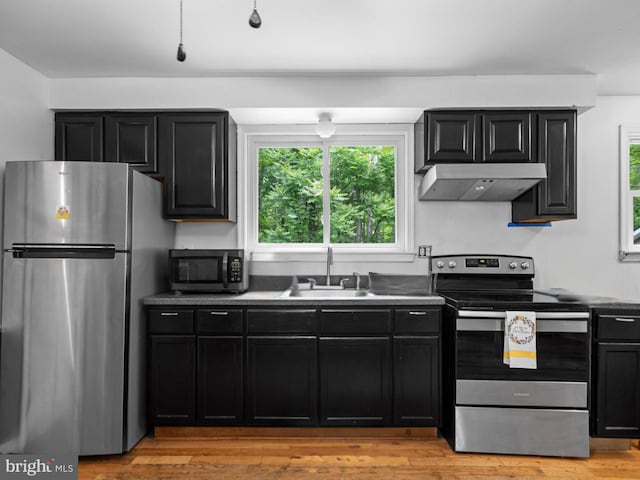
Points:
point(520, 340)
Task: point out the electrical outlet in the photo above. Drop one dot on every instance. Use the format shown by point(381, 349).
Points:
point(424, 251)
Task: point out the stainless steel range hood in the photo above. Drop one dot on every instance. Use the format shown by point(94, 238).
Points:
point(485, 182)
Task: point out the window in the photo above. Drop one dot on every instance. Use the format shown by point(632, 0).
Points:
point(352, 191)
point(629, 193)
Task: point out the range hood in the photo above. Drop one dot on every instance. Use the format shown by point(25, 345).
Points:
point(483, 182)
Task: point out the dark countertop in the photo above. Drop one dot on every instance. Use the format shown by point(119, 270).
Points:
point(274, 298)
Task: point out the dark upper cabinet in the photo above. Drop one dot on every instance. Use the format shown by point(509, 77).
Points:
point(195, 153)
point(195, 150)
point(355, 381)
point(474, 136)
point(446, 137)
point(506, 137)
point(173, 379)
point(132, 139)
point(219, 380)
point(108, 137)
point(79, 137)
point(553, 198)
point(282, 381)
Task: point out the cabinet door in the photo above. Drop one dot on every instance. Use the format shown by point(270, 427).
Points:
point(79, 137)
point(194, 154)
point(282, 381)
point(557, 147)
point(173, 379)
point(132, 139)
point(555, 197)
point(506, 137)
point(451, 137)
point(618, 390)
point(220, 380)
point(355, 381)
point(416, 390)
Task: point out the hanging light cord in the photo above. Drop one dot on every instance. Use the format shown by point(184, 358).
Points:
point(181, 21)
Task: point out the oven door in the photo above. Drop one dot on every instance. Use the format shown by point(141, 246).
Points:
point(562, 345)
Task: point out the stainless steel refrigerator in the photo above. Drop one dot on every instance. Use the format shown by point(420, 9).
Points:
point(83, 244)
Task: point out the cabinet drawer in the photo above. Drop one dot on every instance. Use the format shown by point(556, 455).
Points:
point(281, 321)
point(619, 327)
point(171, 321)
point(212, 321)
point(356, 322)
point(417, 320)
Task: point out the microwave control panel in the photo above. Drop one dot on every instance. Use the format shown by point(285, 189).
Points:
point(235, 272)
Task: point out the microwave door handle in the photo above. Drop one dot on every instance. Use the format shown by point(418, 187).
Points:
point(225, 268)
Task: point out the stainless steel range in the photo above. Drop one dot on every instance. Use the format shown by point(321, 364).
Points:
point(492, 407)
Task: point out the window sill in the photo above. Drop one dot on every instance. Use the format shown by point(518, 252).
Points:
point(629, 256)
point(316, 256)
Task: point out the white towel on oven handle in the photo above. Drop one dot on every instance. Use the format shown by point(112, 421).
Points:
point(520, 340)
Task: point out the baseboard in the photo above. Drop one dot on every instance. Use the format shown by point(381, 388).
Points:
point(360, 432)
point(609, 443)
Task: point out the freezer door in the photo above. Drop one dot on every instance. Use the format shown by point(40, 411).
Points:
point(63, 355)
point(66, 202)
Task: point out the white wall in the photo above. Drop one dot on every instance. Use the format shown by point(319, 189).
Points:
point(26, 123)
point(577, 254)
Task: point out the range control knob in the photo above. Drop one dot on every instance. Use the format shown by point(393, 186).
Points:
point(524, 265)
point(513, 265)
point(440, 264)
point(452, 264)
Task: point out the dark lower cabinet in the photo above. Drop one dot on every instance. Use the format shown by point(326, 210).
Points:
point(220, 380)
point(282, 381)
point(618, 395)
point(355, 381)
point(173, 379)
point(266, 366)
point(615, 400)
point(416, 375)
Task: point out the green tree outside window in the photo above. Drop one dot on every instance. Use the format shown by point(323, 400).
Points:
point(362, 194)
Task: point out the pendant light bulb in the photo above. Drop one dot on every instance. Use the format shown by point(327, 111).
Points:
point(254, 19)
point(324, 128)
point(182, 54)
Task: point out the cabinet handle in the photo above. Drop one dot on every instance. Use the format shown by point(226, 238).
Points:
point(417, 313)
point(219, 313)
point(627, 320)
point(169, 314)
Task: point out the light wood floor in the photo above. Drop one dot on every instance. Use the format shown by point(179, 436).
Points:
point(418, 454)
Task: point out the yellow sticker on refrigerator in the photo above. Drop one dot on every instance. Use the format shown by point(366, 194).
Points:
point(63, 212)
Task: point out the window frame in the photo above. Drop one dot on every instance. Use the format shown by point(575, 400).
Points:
point(629, 251)
point(253, 137)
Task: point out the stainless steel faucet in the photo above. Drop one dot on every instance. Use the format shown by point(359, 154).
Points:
point(329, 263)
point(357, 275)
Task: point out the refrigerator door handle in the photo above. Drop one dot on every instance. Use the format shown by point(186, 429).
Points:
point(45, 250)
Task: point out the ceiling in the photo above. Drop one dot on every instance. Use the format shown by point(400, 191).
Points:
point(139, 38)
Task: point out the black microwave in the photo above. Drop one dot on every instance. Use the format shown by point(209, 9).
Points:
point(211, 271)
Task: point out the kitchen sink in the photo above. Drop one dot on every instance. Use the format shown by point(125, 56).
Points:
point(321, 294)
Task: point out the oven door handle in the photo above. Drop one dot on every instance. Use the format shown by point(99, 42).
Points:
point(542, 326)
point(539, 315)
